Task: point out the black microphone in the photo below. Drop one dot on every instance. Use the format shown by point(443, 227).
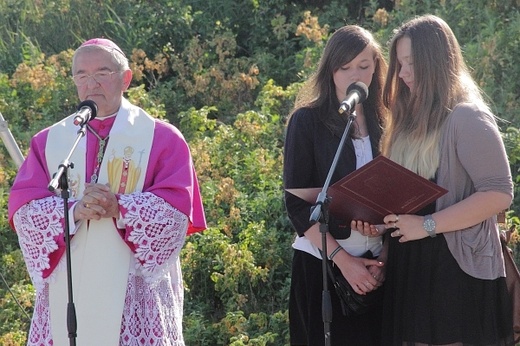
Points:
point(356, 93)
point(87, 110)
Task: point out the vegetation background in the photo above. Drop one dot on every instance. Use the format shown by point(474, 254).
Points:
point(226, 73)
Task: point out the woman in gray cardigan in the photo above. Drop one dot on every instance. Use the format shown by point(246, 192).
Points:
point(445, 277)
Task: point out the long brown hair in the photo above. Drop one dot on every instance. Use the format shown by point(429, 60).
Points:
point(320, 92)
point(441, 81)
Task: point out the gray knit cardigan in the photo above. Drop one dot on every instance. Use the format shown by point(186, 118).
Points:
point(473, 158)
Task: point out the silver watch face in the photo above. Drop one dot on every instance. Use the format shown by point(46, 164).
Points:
point(429, 224)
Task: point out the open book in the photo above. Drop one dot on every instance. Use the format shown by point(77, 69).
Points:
point(379, 188)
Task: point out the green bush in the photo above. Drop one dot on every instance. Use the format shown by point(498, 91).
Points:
point(226, 73)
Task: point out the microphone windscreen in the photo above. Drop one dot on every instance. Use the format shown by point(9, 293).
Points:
point(90, 104)
point(361, 88)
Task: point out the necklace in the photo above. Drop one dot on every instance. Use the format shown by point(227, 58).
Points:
point(100, 154)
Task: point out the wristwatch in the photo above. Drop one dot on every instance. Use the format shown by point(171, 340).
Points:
point(429, 226)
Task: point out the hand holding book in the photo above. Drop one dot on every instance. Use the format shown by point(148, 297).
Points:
point(379, 188)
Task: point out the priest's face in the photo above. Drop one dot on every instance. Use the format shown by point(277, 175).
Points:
point(98, 78)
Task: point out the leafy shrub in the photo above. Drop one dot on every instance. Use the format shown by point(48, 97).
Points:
point(227, 74)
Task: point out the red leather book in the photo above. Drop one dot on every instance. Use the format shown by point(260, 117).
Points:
point(379, 188)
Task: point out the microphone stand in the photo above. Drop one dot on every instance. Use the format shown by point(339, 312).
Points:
point(320, 213)
point(60, 181)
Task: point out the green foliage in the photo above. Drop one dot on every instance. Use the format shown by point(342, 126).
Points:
point(512, 142)
point(150, 25)
point(264, 30)
point(39, 93)
point(8, 240)
point(210, 74)
point(226, 73)
point(17, 300)
point(244, 253)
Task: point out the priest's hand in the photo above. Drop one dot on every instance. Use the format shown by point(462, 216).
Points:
point(99, 202)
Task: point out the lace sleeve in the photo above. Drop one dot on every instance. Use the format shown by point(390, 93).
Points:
point(155, 228)
point(39, 226)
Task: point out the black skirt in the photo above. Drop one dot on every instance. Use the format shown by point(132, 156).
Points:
point(429, 300)
point(305, 310)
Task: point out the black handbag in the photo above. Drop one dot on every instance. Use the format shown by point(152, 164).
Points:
point(353, 303)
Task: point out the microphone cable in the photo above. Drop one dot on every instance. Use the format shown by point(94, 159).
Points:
point(14, 297)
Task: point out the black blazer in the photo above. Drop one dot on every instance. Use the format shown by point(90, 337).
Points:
point(310, 147)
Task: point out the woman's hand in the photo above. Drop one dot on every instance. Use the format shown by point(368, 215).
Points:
point(378, 273)
point(368, 229)
point(407, 227)
point(364, 275)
